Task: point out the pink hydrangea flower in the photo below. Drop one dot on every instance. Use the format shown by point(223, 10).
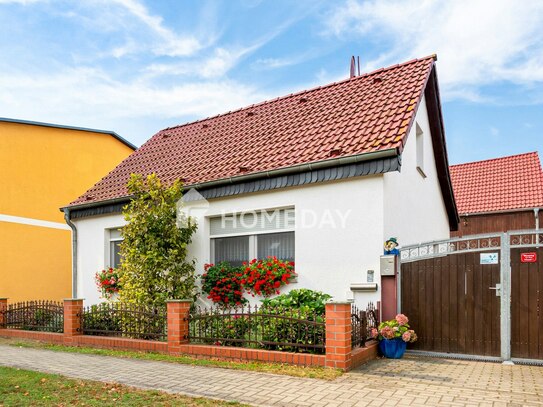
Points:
point(406, 336)
point(387, 332)
point(413, 337)
point(374, 333)
point(401, 319)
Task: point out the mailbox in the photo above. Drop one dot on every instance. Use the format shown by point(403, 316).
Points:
point(388, 265)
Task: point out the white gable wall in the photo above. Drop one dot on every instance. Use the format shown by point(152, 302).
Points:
point(327, 258)
point(413, 205)
point(93, 252)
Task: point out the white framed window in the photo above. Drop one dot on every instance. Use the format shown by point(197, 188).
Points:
point(252, 235)
point(420, 151)
point(114, 247)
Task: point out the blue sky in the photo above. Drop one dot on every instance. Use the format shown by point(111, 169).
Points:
point(136, 66)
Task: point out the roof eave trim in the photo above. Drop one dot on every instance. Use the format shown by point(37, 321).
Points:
point(76, 128)
point(263, 174)
point(97, 203)
point(317, 165)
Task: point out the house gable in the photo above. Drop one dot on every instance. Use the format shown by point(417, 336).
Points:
point(347, 129)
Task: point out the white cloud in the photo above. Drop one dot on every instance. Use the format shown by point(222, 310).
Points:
point(89, 97)
point(478, 42)
point(494, 132)
point(23, 2)
point(172, 44)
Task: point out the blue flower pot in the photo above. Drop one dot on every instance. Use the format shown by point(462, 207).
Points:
point(392, 348)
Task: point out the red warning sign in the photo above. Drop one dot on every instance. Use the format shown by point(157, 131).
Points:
point(530, 257)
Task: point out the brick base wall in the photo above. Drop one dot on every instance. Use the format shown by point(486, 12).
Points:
point(244, 354)
point(338, 355)
point(362, 355)
point(49, 337)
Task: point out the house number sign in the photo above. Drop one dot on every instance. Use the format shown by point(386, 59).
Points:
point(530, 257)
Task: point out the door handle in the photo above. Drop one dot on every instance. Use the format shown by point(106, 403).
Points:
point(498, 289)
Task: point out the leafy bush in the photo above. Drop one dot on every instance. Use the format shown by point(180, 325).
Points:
point(155, 266)
point(220, 327)
point(303, 298)
point(289, 327)
point(101, 320)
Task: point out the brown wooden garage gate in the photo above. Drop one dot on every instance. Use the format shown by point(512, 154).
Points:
point(457, 300)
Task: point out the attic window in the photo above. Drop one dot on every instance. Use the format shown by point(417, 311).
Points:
point(205, 126)
point(420, 151)
point(377, 79)
point(89, 197)
point(250, 114)
point(243, 169)
point(303, 99)
point(166, 135)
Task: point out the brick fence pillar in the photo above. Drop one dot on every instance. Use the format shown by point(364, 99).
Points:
point(338, 335)
point(3, 308)
point(178, 324)
point(73, 313)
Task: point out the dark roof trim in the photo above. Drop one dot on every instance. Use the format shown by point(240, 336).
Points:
point(377, 166)
point(433, 105)
point(97, 210)
point(62, 126)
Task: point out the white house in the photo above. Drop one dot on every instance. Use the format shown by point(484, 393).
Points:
point(322, 177)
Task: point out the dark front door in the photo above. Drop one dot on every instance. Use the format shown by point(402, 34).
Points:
point(450, 304)
point(526, 302)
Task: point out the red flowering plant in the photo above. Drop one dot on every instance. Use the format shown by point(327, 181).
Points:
point(222, 283)
point(265, 277)
point(107, 282)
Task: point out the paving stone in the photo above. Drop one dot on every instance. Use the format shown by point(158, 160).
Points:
point(415, 381)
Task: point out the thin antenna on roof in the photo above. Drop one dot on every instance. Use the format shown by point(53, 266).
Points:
point(358, 61)
point(355, 67)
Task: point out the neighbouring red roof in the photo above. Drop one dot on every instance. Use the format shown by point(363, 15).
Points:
point(363, 114)
point(500, 184)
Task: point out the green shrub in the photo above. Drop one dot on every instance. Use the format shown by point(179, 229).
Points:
point(290, 327)
point(101, 319)
point(303, 299)
point(218, 328)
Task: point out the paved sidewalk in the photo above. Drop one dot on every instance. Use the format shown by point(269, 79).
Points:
point(413, 381)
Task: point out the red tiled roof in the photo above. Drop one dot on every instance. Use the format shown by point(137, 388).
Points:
point(364, 114)
point(500, 184)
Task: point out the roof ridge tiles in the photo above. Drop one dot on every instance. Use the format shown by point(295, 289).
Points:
point(345, 116)
point(496, 159)
point(301, 92)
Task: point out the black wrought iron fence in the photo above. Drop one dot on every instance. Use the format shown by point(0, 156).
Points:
point(269, 328)
point(45, 316)
point(363, 321)
point(125, 320)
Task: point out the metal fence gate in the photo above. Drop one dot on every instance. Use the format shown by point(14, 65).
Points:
point(476, 295)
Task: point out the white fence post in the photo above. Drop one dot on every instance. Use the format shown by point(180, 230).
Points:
point(505, 300)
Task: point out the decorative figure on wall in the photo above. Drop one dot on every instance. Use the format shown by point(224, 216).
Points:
point(391, 246)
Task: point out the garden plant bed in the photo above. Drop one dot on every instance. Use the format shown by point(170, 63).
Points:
point(275, 368)
point(24, 387)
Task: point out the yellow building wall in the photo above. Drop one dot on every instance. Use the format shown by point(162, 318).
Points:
point(41, 170)
point(35, 262)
